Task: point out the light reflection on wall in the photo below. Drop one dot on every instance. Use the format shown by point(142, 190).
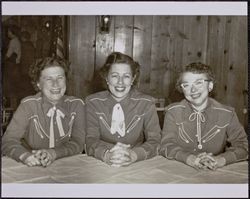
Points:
point(120, 44)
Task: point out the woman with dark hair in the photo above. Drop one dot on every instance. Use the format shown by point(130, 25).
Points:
point(199, 131)
point(49, 125)
point(122, 123)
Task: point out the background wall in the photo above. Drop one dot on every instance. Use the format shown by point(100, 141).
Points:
point(163, 45)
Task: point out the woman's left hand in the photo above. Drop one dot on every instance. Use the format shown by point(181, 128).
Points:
point(212, 162)
point(46, 156)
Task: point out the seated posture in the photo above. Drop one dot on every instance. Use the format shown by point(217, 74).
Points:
point(198, 130)
point(122, 123)
point(48, 125)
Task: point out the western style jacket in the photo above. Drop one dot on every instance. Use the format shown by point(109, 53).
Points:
point(214, 130)
point(38, 124)
point(142, 129)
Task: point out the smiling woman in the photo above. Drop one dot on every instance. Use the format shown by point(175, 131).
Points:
point(200, 131)
point(48, 125)
point(122, 123)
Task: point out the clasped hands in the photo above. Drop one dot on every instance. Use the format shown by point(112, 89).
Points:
point(205, 161)
point(41, 157)
point(120, 155)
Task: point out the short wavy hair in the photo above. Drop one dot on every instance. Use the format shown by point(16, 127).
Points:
point(117, 57)
point(39, 65)
point(197, 68)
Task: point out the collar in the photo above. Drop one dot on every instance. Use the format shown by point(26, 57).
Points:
point(46, 104)
point(124, 102)
point(192, 109)
point(207, 112)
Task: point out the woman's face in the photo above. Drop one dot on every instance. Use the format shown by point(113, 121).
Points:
point(52, 83)
point(196, 88)
point(120, 80)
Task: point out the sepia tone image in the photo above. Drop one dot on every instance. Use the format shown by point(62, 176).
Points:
point(124, 99)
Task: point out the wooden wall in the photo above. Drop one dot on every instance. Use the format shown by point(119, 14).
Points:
point(163, 45)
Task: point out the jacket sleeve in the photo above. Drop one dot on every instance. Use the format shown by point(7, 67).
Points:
point(75, 145)
point(169, 146)
point(152, 133)
point(12, 138)
point(95, 146)
point(238, 143)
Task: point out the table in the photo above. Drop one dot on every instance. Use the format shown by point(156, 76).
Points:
point(85, 169)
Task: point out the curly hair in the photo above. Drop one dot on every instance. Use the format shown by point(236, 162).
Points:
point(196, 68)
point(117, 57)
point(39, 65)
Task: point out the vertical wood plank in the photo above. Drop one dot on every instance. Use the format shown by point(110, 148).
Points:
point(194, 39)
point(81, 54)
point(160, 54)
point(124, 34)
point(104, 43)
point(237, 60)
point(176, 30)
point(104, 46)
point(217, 53)
point(142, 49)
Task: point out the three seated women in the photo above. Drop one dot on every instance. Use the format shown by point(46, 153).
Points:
point(121, 124)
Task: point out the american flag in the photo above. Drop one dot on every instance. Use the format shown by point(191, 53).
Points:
point(58, 45)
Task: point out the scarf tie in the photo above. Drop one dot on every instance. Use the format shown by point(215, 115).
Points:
point(118, 121)
point(51, 114)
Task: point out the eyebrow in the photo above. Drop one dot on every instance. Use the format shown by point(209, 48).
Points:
point(119, 73)
point(193, 81)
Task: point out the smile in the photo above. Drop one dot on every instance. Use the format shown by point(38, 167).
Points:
point(55, 91)
point(120, 89)
point(195, 96)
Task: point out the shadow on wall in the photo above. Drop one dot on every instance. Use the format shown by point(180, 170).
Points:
point(98, 83)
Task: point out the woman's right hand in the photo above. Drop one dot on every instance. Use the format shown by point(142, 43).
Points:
point(30, 160)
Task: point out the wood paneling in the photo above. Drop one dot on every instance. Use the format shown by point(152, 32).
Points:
point(163, 45)
point(142, 49)
point(124, 34)
point(104, 43)
point(237, 75)
point(160, 55)
point(81, 54)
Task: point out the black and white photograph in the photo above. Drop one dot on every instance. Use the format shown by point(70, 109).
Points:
point(124, 99)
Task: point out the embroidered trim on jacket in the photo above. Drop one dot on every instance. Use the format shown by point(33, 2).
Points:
point(38, 126)
point(223, 109)
point(104, 121)
point(137, 99)
point(133, 122)
point(73, 114)
point(176, 107)
point(72, 100)
point(98, 99)
point(208, 136)
point(31, 99)
point(183, 134)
